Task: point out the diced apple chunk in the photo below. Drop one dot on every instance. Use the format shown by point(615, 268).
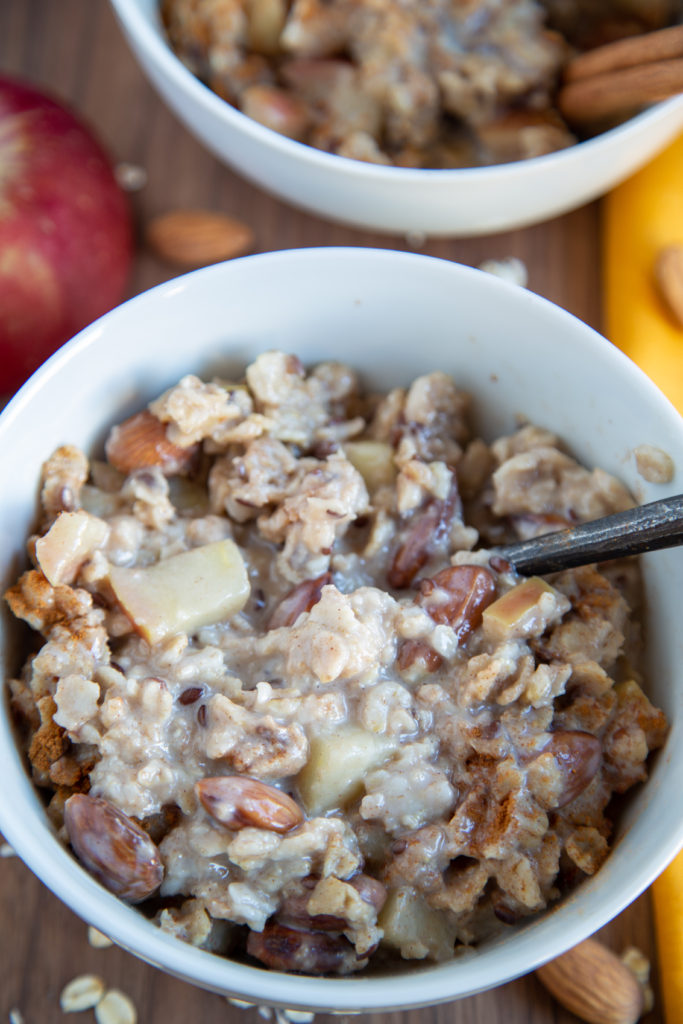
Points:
point(70, 541)
point(374, 460)
point(337, 765)
point(184, 592)
point(417, 930)
point(523, 611)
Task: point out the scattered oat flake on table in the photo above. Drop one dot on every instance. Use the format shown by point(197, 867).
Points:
point(639, 965)
point(97, 939)
point(82, 993)
point(294, 1016)
point(115, 1008)
point(509, 269)
point(131, 177)
point(7, 851)
point(416, 239)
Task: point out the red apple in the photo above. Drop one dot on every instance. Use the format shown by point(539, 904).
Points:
point(65, 230)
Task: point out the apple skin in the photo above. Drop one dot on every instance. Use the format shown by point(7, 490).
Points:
point(65, 230)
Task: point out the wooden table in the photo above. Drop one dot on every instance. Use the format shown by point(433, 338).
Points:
point(74, 47)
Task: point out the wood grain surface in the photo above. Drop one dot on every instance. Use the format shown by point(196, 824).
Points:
point(74, 48)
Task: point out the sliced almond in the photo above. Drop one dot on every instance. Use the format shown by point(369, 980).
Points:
point(592, 982)
point(82, 993)
point(669, 278)
point(194, 238)
point(141, 441)
point(236, 802)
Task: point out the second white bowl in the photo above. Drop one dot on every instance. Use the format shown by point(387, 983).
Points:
point(471, 201)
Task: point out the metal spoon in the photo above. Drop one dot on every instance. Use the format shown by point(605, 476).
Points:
point(644, 528)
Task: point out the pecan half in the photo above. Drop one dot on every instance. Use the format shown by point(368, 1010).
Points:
point(113, 848)
point(236, 802)
point(370, 889)
point(288, 949)
point(294, 908)
point(293, 913)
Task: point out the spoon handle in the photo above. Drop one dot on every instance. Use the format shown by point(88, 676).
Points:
point(644, 528)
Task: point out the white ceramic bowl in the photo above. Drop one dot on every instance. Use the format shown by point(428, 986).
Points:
point(393, 316)
point(454, 202)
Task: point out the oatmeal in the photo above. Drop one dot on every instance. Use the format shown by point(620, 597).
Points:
point(414, 84)
point(289, 700)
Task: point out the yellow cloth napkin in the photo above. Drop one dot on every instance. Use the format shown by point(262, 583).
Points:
point(642, 215)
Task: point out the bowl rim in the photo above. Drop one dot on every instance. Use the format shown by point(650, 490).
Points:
point(132, 16)
point(57, 868)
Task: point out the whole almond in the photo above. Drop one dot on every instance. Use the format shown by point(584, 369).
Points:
point(592, 982)
point(113, 848)
point(140, 442)
point(275, 108)
point(669, 278)
point(457, 596)
point(236, 801)
point(194, 238)
point(301, 599)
